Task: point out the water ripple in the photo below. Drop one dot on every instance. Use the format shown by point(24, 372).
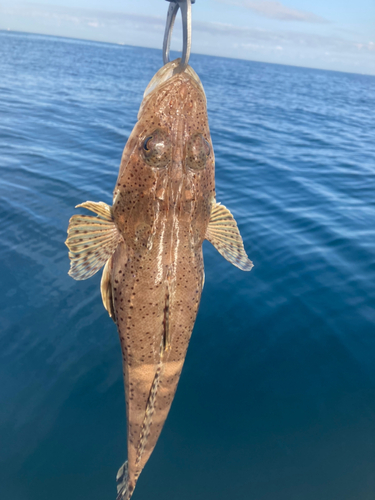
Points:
point(281, 361)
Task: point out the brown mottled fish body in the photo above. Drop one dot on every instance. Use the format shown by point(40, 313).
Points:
point(163, 208)
point(163, 214)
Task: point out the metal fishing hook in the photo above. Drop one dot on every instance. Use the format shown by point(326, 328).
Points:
point(185, 6)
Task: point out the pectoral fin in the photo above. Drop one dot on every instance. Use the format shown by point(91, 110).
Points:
point(91, 240)
point(223, 233)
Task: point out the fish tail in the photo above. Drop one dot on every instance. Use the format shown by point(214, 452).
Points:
point(124, 489)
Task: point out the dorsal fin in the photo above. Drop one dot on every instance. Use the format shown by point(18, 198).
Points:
point(91, 240)
point(223, 233)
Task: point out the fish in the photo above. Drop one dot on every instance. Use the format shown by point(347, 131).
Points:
point(150, 245)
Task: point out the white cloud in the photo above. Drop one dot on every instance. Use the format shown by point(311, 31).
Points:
point(276, 10)
point(282, 46)
point(283, 38)
point(153, 24)
point(89, 17)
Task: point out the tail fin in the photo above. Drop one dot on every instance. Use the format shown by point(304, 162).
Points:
point(124, 489)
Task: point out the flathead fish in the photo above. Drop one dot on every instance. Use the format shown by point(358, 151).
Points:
point(150, 244)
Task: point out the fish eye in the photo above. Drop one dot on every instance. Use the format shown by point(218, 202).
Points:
point(145, 147)
point(197, 151)
point(157, 148)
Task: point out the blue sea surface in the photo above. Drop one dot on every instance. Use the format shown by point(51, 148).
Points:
point(277, 396)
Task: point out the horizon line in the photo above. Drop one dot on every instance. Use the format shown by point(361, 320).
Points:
point(194, 53)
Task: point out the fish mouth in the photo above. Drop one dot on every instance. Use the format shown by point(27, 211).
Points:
point(167, 72)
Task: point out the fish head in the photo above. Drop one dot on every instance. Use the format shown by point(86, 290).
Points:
point(167, 169)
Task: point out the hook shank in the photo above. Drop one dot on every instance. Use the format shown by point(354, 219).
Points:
point(185, 6)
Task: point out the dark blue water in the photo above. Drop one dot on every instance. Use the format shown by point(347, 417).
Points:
point(277, 397)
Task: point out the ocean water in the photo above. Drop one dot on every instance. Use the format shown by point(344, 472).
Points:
point(277, 397)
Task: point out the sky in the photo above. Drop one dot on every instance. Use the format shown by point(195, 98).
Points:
point(326, 34)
